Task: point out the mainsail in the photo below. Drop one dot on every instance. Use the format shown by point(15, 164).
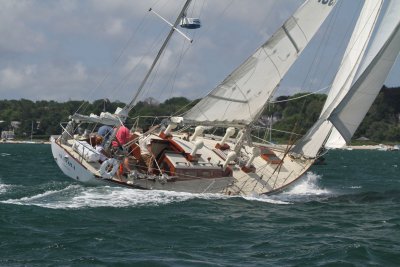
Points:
point(318, 135)
point(241, 97)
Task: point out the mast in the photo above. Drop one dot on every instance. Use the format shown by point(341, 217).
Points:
point(133, 102)
point(31, 130)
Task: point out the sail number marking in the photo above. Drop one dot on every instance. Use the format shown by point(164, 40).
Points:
point(327, 2)
point(67, 162)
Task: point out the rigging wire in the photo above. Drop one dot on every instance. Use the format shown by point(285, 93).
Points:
point(199, 36)
point(343, 44)
point(157, 67)
point(303, 96)
point(127, 76)
point(172, 79)
point(314, 67)
point(116, 60)
point(271, 102)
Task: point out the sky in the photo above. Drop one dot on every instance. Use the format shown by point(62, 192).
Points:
point(93, 49)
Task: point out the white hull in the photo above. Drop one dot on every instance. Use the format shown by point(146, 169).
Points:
point(264, 178)
point(81, 171)
point(70, 166)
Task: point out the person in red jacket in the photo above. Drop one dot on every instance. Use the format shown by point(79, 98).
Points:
point(122, 137)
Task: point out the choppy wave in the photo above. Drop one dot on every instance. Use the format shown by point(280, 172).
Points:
point(389, 196)
point(348, 216)
point(4, 154)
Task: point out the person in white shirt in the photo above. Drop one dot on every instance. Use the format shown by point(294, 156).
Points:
point(100, 149)
point(145, 151)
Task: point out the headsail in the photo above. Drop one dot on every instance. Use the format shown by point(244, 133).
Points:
point(318, 135)
point(347, 116)
point(335, 140)
point(241, 97)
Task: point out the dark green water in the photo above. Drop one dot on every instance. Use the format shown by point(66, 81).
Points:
point(345, 213)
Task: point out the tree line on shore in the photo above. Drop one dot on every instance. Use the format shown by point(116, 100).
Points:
point(42, 118)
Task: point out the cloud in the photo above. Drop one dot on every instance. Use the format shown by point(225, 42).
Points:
point(114, 27)
point(11, 78)
point(45, 81)
point(16, 33)
point(133, 62)
point(62, 49)
point(72, 44)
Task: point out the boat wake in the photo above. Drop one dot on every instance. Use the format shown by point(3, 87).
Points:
point(78, 196)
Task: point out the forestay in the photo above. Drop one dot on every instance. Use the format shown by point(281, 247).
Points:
point(241, 97)
point(317, 136)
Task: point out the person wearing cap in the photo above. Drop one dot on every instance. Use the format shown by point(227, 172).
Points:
point(105, 131)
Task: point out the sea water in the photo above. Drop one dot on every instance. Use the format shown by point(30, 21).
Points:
point(344, 213)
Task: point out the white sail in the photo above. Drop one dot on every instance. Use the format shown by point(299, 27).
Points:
point(319, 134)
point(348, 115)
point(335, 140)
point(241, 97)
point(354, 53)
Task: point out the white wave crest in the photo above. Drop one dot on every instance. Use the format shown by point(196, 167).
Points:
point(355, 187)
point(308, 185)
point(266, 199)
point(36, 199)
point(304, 189)
point(3, 188)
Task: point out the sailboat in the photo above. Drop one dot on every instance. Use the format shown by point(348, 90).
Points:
point(233, 163)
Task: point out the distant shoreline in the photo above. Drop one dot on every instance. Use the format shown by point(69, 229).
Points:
point(370, 147)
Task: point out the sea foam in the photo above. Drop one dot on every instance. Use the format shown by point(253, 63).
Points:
point(78, 196)
point(307, 188)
